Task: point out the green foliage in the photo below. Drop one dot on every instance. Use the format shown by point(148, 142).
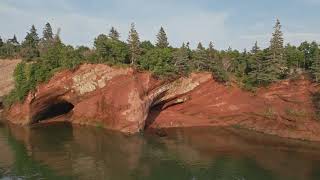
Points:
point(111, 50)
point(309, 51)
point(251, 70)
point(159, 62)
point(47, 33)
point(181, 60)
point(114, 34)
point(200, 60)
point(134, 44)
point(162, 39)
point(295, 112)
point(146, 46)
point(315, 68)
point(30, 49)
point(1, 42)
point(294, 57)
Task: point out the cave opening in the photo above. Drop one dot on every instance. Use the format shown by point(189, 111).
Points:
point(154, 112)
point(54, 110)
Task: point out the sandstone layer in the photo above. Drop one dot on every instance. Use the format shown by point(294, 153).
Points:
point(100, 95)
point(285, 109)
point(129, 101)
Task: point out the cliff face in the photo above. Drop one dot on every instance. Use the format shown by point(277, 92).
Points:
point(121, 99)
point(114, 98)
point(6, 76)
point(285, 109)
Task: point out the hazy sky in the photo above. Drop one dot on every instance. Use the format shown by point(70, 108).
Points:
point(235, 23)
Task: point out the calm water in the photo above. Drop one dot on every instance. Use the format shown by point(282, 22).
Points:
point(66, 152)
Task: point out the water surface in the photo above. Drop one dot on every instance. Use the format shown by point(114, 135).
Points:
point(64, 152)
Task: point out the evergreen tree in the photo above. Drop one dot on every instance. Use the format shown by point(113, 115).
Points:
point(276, 50)
point(200, 59)
point(316, 66)
point(1, 42)
point(114, 34)
point(294, 57)
point(109, 50)
point(146, 46)
point(162, 40)
point(134, 44)
point(30, 45)
point(21, 81)
point(13, 41)
point(255, 48)
point(268, 69)
point(200, 46)
point(211, 46)
point(211, 52)
point(47, 32)
point(181, 60)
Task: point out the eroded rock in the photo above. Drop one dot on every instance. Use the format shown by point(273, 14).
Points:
point(115, 98)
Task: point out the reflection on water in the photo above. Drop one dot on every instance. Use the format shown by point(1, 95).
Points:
point(65, 152)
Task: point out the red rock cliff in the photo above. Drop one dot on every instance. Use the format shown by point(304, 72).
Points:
point(115, 98)
point(121, 99)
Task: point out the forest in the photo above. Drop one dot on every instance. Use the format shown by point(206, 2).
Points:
point(250, 69)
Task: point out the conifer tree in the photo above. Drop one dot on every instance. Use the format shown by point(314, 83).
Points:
point(13, 41)
point(114, 34)
point(32, 38)
point(255, 48)
point(134, 44)
point(181, 59)
point(47, 32)
point(211, 52)
point(211, 46)
point(200, 46)
point(200, 59)
point(30, 44)
point(162, 39)
point(1, 42)
point(276, 50)
point(316, 66)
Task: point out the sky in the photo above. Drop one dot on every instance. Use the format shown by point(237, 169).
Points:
point(234, 23)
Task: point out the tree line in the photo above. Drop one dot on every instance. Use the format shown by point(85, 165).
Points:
point(42, 57)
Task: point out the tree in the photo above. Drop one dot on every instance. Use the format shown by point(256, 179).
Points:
point(21, 81)
point(200, 59)
point(200, 46)
point(162, 40)
point(146, 46)
point(211, 52)
point(1, 42)
point(316, 66)
point(109, 50)
point(293, 56)
point(255, 48)
point(134, 44)
point(47, 32)
point(267, 71)
point(114, 34)
point(30, 45)
point(159, 62)
point(181, 60)
point(13, 41)
point(276, 50)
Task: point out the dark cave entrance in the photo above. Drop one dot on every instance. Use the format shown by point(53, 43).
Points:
point(154, 112)
point(54, 110)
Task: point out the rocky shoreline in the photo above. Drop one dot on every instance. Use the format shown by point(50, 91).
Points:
point(129, 101)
